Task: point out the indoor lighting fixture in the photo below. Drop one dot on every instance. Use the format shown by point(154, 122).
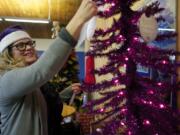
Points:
point(167, 29)
point(26, 20)
point(1, 19)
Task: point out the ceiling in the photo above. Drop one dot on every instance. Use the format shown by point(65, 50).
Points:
point(56, 10)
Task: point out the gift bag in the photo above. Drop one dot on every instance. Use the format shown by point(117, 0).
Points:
point(85, 121)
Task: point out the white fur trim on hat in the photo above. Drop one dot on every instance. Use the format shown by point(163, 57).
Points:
point(11, 38)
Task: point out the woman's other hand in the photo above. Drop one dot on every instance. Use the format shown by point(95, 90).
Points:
point(76, 88)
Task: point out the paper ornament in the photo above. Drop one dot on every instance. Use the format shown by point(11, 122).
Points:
point(148, 28)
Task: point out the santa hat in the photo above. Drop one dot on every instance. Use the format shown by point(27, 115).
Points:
point(11, 35)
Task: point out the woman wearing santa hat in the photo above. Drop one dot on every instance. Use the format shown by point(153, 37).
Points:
point(22, 106)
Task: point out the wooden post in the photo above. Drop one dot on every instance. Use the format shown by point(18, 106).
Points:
point(178, 47)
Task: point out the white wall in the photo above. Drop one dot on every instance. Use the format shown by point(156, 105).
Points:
point(42, 44)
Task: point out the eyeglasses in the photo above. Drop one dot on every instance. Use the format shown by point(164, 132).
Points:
point(22, 46)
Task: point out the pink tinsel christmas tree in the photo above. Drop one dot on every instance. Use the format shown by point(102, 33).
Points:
point(145, 111)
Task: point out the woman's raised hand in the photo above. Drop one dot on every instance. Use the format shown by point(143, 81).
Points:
point(87, 10)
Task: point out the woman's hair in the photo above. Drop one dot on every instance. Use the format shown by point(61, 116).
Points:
point(7, 62)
